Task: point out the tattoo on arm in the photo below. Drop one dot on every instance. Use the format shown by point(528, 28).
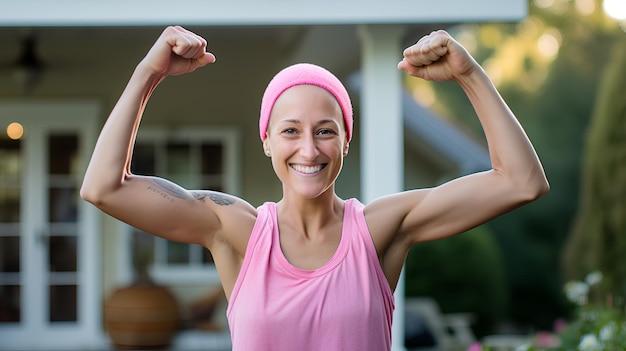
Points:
point(217, 198)
point(168, 190)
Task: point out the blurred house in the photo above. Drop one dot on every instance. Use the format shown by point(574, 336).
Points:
point(62, 67)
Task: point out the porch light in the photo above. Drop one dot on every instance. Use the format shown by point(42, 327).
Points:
point(28, 67)
point(15, 131)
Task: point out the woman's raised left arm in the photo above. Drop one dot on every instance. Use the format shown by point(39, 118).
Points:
point(516, 178)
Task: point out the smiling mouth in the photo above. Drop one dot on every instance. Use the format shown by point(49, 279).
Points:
point(308, 169)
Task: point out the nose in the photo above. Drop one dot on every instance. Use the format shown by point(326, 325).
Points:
point(308, 148)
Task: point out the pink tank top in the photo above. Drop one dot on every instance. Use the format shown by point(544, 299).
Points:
point(344, 305)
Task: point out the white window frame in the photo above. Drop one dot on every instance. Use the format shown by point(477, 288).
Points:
point(184, 274)
point(42, 118)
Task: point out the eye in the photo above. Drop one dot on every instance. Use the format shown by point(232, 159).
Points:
point(289, 131)
point(326, 132)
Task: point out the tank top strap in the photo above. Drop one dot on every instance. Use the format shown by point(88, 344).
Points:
point(263, 223)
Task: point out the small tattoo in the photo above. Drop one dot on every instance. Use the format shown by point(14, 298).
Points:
point(217, 198)
point(160, 192)
point(198, 195)
point(221, 199)
point(168, 190)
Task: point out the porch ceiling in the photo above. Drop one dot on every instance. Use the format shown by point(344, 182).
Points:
point(64, 50)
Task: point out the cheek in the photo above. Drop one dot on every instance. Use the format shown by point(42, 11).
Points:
point(335, 152)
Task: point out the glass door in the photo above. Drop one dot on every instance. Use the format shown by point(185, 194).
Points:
point(11, 171)
point(48, 255)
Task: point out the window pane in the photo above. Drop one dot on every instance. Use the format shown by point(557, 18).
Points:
point(178, 167)
point(63, 254)
point(63, 303)
point(10, 157)
point(62, 154)
point(9, 205)
point(9, 254)
point(143, 159)
point(143, 250)
point(10, 175)
point(10, 304)
point(212, 183)
point(212, 158)
point(63, 204)
point(178, 158)
point(177, 253)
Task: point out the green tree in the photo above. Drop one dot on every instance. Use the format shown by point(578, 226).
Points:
point(598, 240)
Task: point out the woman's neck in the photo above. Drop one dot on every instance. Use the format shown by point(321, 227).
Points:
point(310, 215)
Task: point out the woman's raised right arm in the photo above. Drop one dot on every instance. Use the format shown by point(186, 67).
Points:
point(152, 204)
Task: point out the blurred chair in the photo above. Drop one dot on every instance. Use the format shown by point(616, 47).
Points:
point(427, 329)
point(505, 342)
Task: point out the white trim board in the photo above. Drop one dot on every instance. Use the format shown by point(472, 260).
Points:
point(254, 12)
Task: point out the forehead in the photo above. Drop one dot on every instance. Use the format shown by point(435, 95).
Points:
point(307, 98)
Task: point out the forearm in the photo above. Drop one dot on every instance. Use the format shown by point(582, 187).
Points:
point(110, 162)
point(511, 152)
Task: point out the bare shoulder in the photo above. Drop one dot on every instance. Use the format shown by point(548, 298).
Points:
point(236, 216)
point(385, 216)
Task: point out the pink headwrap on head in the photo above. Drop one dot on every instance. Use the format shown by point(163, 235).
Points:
point(302, 74)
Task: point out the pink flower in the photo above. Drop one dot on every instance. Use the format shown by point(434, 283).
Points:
point(475, 347)
point(559, 325)
point(547, 339)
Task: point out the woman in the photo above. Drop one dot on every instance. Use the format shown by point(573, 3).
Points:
point(311, 272)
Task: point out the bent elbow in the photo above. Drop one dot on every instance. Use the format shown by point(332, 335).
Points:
point(95, 191)
point(98, 191)
point(536, 189)
point(89, 194)
point(545, 188)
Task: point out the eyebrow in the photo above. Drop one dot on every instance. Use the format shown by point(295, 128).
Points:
point(297, 121)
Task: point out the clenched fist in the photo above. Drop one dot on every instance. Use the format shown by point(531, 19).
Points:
point(437, 57)
point(177, 51)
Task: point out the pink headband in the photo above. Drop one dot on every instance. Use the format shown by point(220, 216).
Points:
point(301, 74)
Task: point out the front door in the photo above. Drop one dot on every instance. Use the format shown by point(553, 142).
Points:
point(49, 282)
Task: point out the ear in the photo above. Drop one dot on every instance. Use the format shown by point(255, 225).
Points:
point(346, 147)
point(266, 148)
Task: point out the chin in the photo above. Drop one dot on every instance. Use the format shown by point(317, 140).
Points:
point(313, 194)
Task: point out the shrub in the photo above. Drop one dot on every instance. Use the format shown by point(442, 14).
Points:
point(463, 273)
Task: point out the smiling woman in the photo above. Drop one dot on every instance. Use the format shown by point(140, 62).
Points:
point(312, 271)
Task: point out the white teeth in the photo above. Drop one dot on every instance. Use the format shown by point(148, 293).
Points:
point(307, 169)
